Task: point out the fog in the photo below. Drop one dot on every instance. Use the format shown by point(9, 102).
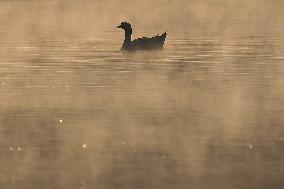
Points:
point(205, 112)
point(88, 18)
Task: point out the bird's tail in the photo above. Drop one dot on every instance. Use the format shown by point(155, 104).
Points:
point(163, 36)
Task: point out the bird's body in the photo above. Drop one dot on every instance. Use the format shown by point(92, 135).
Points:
point(144, 43)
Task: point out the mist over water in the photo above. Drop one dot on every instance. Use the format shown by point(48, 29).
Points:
point(205, 112)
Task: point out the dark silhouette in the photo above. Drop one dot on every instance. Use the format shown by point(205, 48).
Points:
point(143, 43)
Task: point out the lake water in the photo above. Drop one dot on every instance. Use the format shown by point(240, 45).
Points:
point(205, 112)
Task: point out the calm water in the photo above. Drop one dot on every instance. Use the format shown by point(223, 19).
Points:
point(206, 112)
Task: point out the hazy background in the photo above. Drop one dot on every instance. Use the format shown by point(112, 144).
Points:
point(88, 18)
point(206, 112)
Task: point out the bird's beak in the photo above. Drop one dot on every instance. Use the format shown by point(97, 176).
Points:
point(119, 26)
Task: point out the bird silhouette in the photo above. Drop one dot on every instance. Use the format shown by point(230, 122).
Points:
point(144, 43)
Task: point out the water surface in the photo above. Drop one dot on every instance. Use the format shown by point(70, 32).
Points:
point(206, 112)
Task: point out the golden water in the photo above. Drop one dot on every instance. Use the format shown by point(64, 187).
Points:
point(206, 112)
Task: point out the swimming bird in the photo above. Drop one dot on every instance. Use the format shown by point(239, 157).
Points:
point(144, 43)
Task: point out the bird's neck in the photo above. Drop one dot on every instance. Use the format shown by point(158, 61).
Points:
point(127, 39)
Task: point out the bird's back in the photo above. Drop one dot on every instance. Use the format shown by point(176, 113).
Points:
point(145, 43)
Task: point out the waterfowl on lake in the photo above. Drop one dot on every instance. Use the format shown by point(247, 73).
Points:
point(144, 43)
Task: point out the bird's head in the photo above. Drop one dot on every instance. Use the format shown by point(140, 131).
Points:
point(126, 26)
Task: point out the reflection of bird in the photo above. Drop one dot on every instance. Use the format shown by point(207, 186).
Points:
point(143, 43)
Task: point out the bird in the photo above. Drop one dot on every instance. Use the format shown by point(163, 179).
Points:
point(144, 43)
